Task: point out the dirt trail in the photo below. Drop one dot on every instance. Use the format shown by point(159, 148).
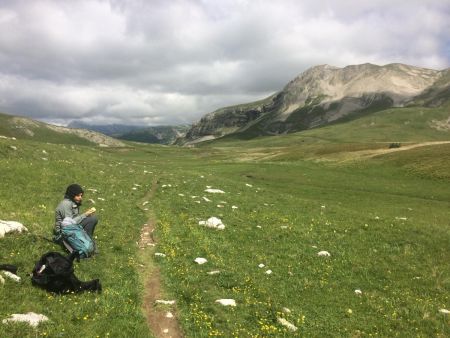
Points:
point(158, 321)
point(376, 152)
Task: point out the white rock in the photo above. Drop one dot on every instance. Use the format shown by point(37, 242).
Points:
point(91, 200)
point(213, 222)
point(215, 191)
point(145, 203)
point(31, 318)
point(164, 302)
point(358, 292)
point(259, 226)
point(214, 272)
point(444, 311)
point(219, 205)
point(10, 226)
point(284, 322)
point(234, 207)
point(159, 254)
point(13, 147)
point(323, 254)
point(197, 202)
point(134, 188)
point(200, 260)
point(12, 276)
point(401, 218)
point(226, 302)
point(101, 199)
point(166, 331)
point(248, 185)
point(268, 272)
point(169, 314)
point(206, 199)
point(261, 265)
point(182, 195)
point(2, 280)
point(286, 310)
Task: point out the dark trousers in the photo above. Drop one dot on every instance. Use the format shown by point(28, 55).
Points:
point(89, 224)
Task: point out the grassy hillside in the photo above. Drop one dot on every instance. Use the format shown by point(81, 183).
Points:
point(26, 129)
point(413, 124)
point(383, 219)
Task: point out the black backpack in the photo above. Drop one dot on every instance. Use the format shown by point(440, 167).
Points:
point(54, 273)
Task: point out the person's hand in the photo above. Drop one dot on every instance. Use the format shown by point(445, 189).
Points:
point(90, 211)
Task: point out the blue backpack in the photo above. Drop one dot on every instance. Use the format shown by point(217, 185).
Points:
point(78, 240)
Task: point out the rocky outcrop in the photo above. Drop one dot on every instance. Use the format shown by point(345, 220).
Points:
point(321, 95)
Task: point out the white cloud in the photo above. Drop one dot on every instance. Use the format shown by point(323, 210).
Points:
point(161, 62)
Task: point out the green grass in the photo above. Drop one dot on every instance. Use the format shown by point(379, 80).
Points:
point(384, 220)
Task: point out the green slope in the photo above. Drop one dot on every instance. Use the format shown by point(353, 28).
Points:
point(27, 129)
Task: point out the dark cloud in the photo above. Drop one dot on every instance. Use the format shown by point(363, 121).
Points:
point(163, 62)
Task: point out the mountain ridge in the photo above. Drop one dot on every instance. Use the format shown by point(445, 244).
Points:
point(324, 94)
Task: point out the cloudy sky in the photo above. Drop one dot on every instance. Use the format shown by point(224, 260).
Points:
point(154, 62)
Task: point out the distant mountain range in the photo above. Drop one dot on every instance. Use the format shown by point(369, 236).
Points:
point(157, 134)
point(323, 95)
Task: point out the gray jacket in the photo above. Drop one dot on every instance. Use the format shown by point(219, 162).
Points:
point(67, 208)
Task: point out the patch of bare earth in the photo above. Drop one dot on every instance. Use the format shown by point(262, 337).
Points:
point(366, 154)
point(161, 319)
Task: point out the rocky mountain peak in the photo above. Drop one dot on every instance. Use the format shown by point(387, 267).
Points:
point(322, 94)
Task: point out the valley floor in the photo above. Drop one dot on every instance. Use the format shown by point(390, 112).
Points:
point(384, 221)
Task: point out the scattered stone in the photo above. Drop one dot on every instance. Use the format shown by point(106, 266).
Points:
point(269, 272)
point(401, 218)
point(234, 207)
point(288, 325)
point(286, 310)
point(323, 254)
point(214, 272)
point(145, 203)
point(164, 302)
point(226, 302)
point(219, 205)
point(159, 254)
point(182, 195)
point(206, 199)
point(2, 280)
point(101, 199)
point(215, 191)
point(31, 318)
point(261, 265)
point(10, 226)
point(200, 260)
point(358, 292)
point(13, 147)
point(166, 331)
point(444, 311)
point(169, 314)
point(248, 185)
point(12, 276)
point(213, 222)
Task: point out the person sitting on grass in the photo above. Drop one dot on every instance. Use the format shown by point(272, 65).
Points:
point(70, 207)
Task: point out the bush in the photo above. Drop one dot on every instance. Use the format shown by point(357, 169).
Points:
point(395, 145)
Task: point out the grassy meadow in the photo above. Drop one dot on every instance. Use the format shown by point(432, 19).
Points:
point(385, 221)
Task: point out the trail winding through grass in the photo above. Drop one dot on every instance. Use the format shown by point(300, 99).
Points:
point(159, 321)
